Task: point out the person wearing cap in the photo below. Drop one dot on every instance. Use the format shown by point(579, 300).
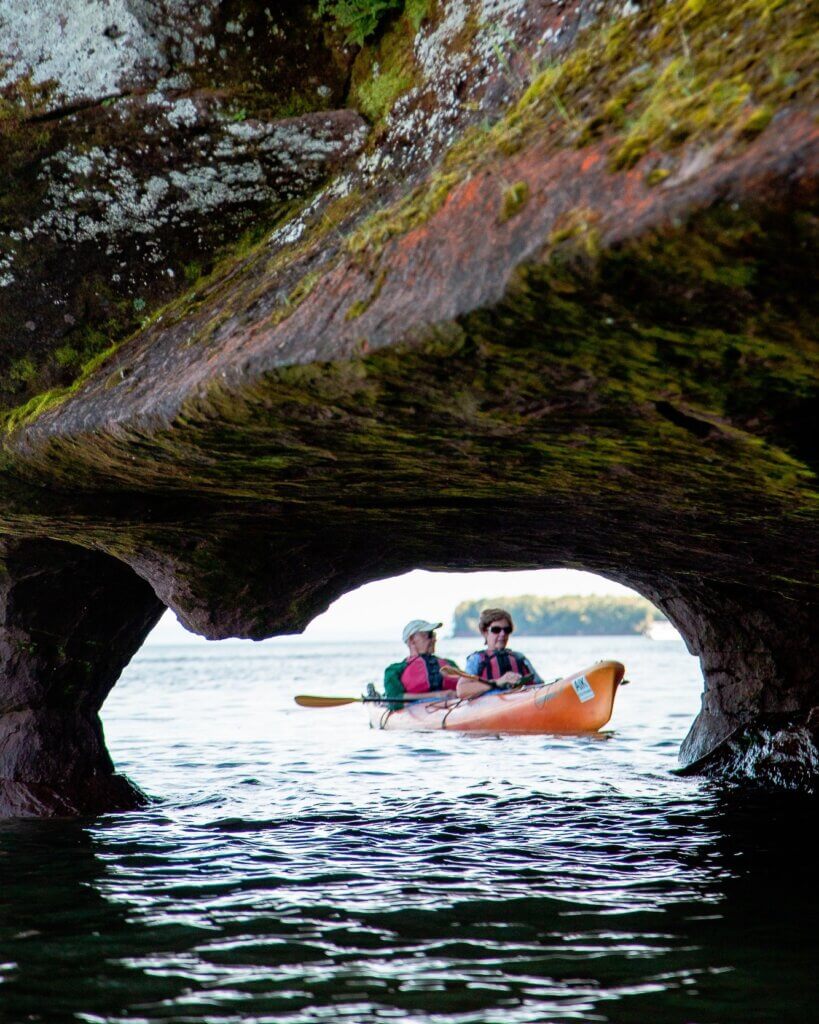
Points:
point(496, 664)
point(421, 672)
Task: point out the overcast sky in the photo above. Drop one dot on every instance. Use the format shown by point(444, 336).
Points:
point(378, 611)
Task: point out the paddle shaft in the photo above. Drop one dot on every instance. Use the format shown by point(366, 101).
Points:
point(307, 701)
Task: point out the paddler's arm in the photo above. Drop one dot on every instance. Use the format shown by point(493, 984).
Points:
point(393, 687)
point(452, 681)
point(472, 688)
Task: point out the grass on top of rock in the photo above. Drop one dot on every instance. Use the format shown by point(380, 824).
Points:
point(360, 19)
point(674, 72)
point(386, 67)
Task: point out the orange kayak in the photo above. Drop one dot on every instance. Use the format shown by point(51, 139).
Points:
point(581, 702)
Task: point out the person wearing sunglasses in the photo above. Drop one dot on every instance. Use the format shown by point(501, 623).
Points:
point(421, 672)
point(498, 665)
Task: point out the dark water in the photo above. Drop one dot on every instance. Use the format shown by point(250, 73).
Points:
point(300, 867)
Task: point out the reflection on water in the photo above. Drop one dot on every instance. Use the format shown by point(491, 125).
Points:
point(300, 867)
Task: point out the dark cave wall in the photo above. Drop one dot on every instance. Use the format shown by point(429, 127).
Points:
point(70, 620)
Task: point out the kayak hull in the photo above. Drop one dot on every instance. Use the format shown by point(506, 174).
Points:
point(582, 702)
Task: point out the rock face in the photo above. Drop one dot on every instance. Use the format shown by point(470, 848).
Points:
point(557, 289)
point(136, 145)
point(63, 645)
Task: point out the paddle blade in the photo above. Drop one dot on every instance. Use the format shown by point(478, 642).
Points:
point(324, 702)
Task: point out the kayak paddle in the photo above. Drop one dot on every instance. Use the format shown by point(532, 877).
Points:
point(305, 701)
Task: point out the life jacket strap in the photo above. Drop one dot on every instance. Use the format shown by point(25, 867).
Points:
point(436, 679)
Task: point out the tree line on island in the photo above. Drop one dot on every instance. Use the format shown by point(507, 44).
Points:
point(571, 615)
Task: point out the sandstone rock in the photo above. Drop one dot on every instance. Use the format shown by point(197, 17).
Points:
point(136, 144)
point(585, 284)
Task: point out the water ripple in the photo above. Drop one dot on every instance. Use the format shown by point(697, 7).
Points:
point(302, 868)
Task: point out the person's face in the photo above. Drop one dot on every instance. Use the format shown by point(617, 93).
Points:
point(497, 634)
point(422, 643)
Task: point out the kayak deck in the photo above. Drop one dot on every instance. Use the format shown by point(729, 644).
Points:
point(582, 702)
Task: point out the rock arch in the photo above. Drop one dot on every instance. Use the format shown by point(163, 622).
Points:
point(539, 306)
point(72, 618)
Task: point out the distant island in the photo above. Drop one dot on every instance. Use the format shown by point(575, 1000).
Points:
point(572, 615)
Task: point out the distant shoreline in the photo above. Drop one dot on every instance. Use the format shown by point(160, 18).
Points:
point(546, 636)
point(572, 615)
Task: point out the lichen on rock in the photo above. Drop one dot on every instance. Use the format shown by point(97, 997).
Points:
point(118, 176)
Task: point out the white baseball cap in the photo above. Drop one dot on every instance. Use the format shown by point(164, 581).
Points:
point(419, 626)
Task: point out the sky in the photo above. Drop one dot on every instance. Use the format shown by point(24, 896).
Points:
point(379, 611)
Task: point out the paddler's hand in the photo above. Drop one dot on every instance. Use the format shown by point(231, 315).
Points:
point(508, 680)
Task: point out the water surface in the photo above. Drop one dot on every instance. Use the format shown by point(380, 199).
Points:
point(300, 867)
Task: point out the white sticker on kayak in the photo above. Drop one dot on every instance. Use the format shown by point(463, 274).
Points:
point(583, 690)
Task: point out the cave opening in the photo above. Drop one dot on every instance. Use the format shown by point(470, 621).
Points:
point(73, 618)
point(184, 692)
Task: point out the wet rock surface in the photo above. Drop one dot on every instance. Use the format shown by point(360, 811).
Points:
point(71, 619)
point(520, 298)
point(776, 752)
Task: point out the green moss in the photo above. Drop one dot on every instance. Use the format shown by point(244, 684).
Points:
point(192, 271)
point(110, 318)
point(656, 176)
point(296, 104)
point(386, 67)
point(67, 356)
point(22, 371)
point(757, 120)
point(358, 18)
point(30, 410)
point(578, 227)
point(362, 305)
point(410, 212)
point(23, 100)
point(376, 95)
point(296, 296)
point(417, 11)
point(357, 309)
point(515, 197)
point(672, 73)
point(683, 102)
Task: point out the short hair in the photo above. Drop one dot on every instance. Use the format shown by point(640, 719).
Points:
point(490, 615)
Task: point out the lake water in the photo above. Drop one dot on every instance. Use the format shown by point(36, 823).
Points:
point(299, 867)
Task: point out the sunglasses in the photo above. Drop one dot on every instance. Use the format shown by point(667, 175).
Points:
point(427, 634)
point(501, 629)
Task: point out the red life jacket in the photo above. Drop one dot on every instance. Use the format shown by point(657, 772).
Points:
point(426, 672)
point(494, 664)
